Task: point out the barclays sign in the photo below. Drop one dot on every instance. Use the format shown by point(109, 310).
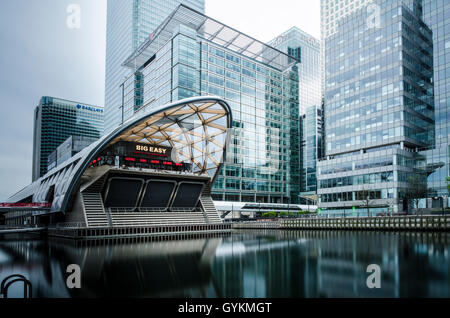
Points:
point(89, 108)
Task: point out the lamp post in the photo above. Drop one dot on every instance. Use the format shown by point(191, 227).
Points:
point(123, 100)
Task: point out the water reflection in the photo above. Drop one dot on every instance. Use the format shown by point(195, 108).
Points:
point(245, 264)
point(332, 264)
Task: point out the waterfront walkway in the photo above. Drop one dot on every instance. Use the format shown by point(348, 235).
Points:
point(397, 223)
point(14, 230)
point(83, 232)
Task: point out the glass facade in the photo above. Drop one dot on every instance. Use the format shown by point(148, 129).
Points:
point(263, 156)
point(311, 150)
point(331, 11)
point(379, 107)
point(306, 49)
point(436, 14)
point(55, 121)
point(130, 23)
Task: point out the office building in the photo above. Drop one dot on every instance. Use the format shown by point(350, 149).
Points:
point(311, 150)
point(436, 14)
point(379, 110)
point(331, 11)
point(65, 151)
point(130, 23)
point(306, 49)
point(57, 119)
point(192, 54)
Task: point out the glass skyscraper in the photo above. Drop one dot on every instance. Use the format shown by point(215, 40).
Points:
point(55, 120)
point(379, 109)
point(192, 55)
point(311, 150)
point(306, 49)
point(331, 11)
point(130, 23)
point(436, 14)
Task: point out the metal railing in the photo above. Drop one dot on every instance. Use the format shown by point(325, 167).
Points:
point(152, 210)
point(14, 227)
point(68, 225)
point(12, 279)
point(161, 171)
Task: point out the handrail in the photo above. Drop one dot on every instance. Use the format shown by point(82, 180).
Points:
point(27, 286)
point(155, 209)
point(69, 225)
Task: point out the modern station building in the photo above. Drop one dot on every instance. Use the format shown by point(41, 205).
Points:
point(191, 54)
point(155, 170)
point(379, 109)
point(129, 23)
point(55, 120)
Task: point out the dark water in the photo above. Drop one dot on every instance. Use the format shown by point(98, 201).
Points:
point(242, 264)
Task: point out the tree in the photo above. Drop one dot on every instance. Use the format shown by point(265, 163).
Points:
point(448, 184)
point(365, 195)
point(417, 190)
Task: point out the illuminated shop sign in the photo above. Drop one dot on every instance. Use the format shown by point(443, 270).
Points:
point(148, 149)
point(151, 149)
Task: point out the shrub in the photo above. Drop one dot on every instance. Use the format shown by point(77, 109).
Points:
point(269, 214)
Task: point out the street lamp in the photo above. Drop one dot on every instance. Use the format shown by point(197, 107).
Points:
point(123, 99)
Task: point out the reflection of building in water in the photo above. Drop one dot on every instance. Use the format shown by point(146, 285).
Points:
point(262, 267)
point(331, 264)
point(143, 269)
point(342, 267)
point(246, 264)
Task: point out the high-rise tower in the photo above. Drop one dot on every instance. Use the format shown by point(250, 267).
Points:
point(379, 108)
point(129, 23)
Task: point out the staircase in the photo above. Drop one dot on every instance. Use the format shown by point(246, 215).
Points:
point(95, 212)
point(96, 185)
point(211, 214)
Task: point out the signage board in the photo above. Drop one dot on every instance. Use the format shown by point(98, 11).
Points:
point(150, 150)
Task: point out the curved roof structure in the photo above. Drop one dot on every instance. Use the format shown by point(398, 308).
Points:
point(195, 128)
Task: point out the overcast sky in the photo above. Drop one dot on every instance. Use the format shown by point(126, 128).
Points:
point(41, 56)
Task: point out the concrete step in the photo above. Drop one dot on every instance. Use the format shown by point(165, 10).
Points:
point(95, 213)
point(165, 218)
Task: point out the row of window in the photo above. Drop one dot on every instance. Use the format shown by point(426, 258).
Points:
point(378, 121)
point(380, 136)
point(372, 178)
point(248, 185)
point(366, 163)
point(363, 195)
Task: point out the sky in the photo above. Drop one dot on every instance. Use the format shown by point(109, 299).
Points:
point(41, 55)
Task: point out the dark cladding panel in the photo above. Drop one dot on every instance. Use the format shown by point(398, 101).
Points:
point(158, 194)
point(188, 194)
point(123, 192)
